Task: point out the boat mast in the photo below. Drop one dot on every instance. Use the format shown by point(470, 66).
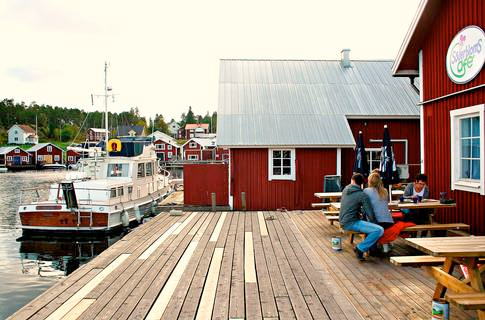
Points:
point(106, 105)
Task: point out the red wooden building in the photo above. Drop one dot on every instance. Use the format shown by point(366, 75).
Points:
point(46, 153)
point(72, 156)
point(14, 157)
point(445, 47)
point(288, 124)
point(166, 151)
point(197, 149)
point(95, 134)
point(192, 129)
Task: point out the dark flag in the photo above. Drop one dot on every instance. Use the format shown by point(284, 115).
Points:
point(361, 165)
point(389, 173)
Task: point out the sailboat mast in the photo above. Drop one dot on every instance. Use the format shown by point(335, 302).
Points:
point(106, 105)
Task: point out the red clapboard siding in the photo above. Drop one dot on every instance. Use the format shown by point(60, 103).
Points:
point(200, 180)
point(374, 129)
point(249, 174)
point(453, 16)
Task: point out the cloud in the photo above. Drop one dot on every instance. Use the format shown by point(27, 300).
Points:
point(24, 74)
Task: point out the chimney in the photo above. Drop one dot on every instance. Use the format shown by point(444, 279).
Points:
point(345, 58)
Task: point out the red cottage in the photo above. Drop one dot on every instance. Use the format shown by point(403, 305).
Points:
point(95, 134)
point(14, 157)
point(72, 157)
point(166, 151)
point(288, 124)
point(445, 47)
point(46, 153)
point(200, 149)
point(192, 129)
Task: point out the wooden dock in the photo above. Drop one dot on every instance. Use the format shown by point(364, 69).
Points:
point(236, 265)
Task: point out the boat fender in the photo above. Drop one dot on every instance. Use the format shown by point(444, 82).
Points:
point(125, 219)
point(154, 207)
point(137, 213)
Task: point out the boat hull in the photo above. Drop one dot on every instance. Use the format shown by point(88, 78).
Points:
point(58, 218)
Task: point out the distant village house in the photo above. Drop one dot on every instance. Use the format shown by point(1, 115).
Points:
point(130, 131)
point(46, 153)
point(13, 156)
point(95, 134)
point(22, 134)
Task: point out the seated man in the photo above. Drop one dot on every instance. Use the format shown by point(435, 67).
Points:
point(417, 190)
point(353, 202)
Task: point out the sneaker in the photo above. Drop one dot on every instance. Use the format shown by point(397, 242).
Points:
point(359, 254)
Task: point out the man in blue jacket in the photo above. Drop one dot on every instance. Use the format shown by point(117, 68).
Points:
point(355, 209)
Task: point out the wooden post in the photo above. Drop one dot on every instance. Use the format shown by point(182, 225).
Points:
point(243, 201)
point(213, 197)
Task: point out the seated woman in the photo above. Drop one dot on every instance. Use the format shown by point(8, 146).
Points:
point(379, 200)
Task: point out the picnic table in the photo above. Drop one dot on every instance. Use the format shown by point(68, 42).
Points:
point(456, 250)
point(338, 195)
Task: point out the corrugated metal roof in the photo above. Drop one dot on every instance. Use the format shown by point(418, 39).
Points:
point(5, 150)
point(305, 102)
point(39, 146)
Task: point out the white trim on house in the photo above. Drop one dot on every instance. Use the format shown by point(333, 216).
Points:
point(339, 162)
point(458, 183)
point(193, 157)
point(282, 176)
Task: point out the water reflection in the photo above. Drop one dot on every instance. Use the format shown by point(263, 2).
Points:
point(59, 256)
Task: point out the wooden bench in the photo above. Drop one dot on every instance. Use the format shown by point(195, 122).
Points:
point(468, 301)
point(320, 205)
point(425, 227)
point(332, 219)
point(417, 260)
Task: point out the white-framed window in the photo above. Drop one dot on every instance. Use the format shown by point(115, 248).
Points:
point(281, 164)
point(192, 145)
point(70, 158)
point(9, 158)
point(169, 155)
point(17, 151)
point(40, 157)
point(16, 132)
point(159, 146)
point(468, 149)
point(193, 157)
point(25, 159)
point(56, 157)
point(169, 147)
point(49, 148)
point(374, 157)
point(16, 139)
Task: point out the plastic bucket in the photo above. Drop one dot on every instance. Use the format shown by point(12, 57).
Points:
point(337, 243)
point(440, 310)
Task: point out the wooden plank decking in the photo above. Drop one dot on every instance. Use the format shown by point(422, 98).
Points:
point(235, 265)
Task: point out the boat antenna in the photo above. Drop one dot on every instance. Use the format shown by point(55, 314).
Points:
point(106, 105)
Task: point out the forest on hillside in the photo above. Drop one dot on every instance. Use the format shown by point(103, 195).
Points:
point(69, 124)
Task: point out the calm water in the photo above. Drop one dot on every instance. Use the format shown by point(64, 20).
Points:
point(30, 265)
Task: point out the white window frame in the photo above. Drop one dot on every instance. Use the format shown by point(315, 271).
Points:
point(40, 157)
point(292, 175)
point(56, 157)
point(70, 158)
point(192, 145)
point(169, 147)
point(369, 158)
point(159, 146)
point(169, 155)
point(193, 157)
point(17, 151)
point(9, 158)
point(476, 186)
point(25, 159)
point(49, 148)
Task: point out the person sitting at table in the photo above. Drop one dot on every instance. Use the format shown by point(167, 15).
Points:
point(417, 191)
point(353, 202)
point(379, 198)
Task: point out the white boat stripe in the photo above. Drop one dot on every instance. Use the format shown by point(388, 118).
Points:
point(262, 224)
point(209, 294)
point(158, 308)
point(217, 230)
point(159, 241)
point(185, 223)
point(80, 294)
point(249, 268)
point(78, 309)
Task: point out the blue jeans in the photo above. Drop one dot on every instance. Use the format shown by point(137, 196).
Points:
point(372, 230)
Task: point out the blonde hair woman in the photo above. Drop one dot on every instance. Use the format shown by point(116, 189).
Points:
point(379, 200)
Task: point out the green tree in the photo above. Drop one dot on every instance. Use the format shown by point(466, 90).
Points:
point(190, 117)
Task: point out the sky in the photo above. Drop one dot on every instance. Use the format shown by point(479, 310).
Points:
point(164, 55)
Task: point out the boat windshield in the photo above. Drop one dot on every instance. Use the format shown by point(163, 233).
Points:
point(118, 169)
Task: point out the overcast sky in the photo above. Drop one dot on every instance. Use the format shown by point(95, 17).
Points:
point(164, 55)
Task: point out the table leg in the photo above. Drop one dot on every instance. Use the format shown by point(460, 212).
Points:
point(476, 282)
point(448, 267)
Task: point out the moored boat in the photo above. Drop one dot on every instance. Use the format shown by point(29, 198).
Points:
point(104, 194)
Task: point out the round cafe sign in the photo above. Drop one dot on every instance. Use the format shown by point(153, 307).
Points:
point(466, 54)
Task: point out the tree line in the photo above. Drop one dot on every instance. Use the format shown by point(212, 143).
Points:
point(69, 124)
